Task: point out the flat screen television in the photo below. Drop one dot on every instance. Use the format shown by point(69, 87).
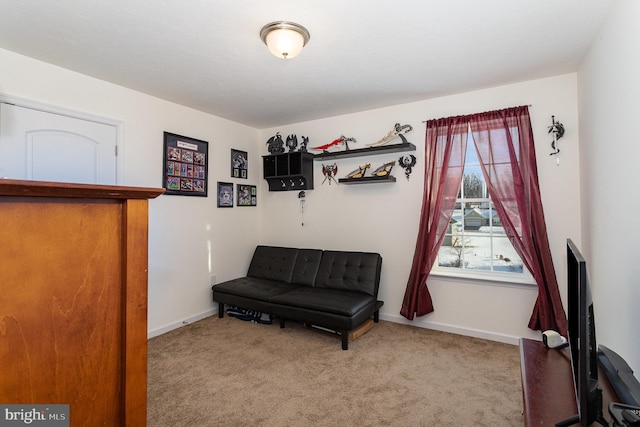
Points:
point(582, 342)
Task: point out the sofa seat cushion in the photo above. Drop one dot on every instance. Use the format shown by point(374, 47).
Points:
point(251, 287)
point(340, 302)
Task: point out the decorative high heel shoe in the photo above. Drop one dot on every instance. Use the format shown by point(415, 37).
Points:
point(384, 170)
point(359, 173)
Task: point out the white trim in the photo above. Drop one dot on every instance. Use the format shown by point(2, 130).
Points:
point(469, 332)
point(54, 109)
point(180, 323)
point(395, 318)
point(485, 278)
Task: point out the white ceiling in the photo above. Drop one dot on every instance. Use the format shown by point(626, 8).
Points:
point(363, 54)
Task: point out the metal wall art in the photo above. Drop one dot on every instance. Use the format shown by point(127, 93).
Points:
point(329, 172)
point(407, 163)
point(557, 129)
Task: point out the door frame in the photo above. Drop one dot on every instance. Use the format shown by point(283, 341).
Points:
point(62, 111)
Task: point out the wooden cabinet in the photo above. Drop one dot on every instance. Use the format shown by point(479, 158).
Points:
point(547, 385)
point(73, 301)
point(288, 171)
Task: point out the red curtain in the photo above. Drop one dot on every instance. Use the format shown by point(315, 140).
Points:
point(505, 147)
point(504, 143)
point(445, 148)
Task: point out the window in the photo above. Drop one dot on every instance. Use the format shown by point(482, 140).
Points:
point(475, 244)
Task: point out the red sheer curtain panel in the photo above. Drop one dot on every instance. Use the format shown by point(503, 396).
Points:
point(445, 147)
point(505, 147)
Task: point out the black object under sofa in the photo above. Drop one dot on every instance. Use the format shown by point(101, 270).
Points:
point(337, 290)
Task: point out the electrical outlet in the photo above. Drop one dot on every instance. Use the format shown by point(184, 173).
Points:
point(212, 280)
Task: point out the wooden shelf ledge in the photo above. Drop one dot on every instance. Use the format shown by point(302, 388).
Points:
point(368, 151)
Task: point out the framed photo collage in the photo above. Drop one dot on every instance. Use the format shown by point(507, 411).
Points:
point(245, 195)
point(186, 166)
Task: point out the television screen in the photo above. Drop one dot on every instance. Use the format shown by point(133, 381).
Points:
point(582, 342)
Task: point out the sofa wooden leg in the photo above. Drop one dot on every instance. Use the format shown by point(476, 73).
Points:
point(220, 310)
point(345, 340)
point(281, 323)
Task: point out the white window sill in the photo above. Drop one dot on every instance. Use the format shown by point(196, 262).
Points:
point(516, 279)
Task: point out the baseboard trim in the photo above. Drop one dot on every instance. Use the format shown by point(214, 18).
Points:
point(420, 323)
point(443, 327)
point(180, 323)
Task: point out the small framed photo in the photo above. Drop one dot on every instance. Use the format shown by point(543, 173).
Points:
point(225, 194)
point(239, 164)
point(185, 165)
point(246, 195)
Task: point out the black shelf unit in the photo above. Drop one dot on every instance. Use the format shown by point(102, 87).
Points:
point(369, 151)
point(288, 171)
point(367, 179)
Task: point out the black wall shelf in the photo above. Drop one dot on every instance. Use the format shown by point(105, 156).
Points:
point(288, 171)
point(367, 179)
point(294, 171)
point(370, 151)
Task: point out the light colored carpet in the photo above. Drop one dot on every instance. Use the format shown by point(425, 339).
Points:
point(229, 372)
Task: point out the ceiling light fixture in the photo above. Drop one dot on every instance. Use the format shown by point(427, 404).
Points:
point(284, 39)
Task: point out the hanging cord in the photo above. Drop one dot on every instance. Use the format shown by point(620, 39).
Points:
point(301, 196)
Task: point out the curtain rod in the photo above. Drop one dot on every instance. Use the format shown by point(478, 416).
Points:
point(425, 121)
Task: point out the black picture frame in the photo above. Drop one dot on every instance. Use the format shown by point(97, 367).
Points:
point(225, 194)
point(246, 195)
point(185, 165)
point(239, 164)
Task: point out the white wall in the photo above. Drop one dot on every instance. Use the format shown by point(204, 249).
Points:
point(384, 217)
point(189, 237)
point(609, 92)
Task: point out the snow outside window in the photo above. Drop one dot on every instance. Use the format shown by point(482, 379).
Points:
point(475, 244)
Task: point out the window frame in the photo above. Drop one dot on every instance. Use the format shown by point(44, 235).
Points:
point(524, 277)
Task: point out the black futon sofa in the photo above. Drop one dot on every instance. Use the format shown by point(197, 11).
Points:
point(336, 290)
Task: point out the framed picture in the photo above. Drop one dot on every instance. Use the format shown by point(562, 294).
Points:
point(225, 194)
point(186, 162)
point(239, 164)
point(246, 195)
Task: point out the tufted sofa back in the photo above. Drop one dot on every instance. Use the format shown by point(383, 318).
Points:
point(306, 267)
point(273, 263)
point(355, 271)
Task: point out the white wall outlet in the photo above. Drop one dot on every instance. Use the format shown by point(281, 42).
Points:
point(212, 280)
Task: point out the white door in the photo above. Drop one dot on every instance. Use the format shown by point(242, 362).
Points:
point(44, 146)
